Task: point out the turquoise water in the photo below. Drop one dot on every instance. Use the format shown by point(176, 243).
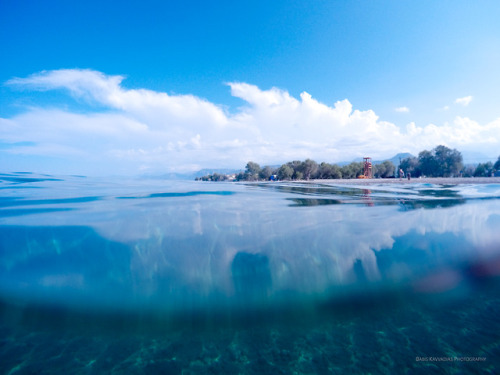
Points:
point(129, 276)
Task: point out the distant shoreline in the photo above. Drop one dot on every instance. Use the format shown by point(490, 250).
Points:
point(423, 180)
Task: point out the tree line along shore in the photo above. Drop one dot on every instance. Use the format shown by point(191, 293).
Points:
point(438, 162)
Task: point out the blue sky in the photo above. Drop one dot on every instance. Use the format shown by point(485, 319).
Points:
point(154, 86)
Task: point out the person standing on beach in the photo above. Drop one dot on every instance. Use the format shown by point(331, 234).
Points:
point(401, 174)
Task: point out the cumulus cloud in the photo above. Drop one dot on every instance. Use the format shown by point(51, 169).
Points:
point(402, 109)
point(465, 101)
point(157, 108)
point(142, 129)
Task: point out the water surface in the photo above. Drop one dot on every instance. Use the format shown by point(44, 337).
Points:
point(151, 276)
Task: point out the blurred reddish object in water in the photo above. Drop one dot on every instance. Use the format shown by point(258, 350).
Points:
point(439, 282)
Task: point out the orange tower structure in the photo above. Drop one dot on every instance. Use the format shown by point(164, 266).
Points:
point(368, 168)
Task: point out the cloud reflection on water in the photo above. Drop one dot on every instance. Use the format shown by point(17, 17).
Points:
point(184, 249)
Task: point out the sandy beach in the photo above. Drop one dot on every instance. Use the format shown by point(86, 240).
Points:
point(426, 180)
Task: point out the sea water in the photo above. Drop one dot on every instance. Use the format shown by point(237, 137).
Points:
point(145, 276)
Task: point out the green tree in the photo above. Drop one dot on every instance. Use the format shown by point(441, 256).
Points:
point(450, 162)
point(218, 177)
point(468, 171)
point(484, 170)
point(352, 170)
point(384, 170)
point(440, 162)
point(213, 177)
point(427, 164)
point(252, 171)
point(296, 167)
point(298, 175)
point(285, 172)
point(241, 176)
point(411, 165)
point(266, 173)
point(309, 168)
point(497, 165)
point(329, 171)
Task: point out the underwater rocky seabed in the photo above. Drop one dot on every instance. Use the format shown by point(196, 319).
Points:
point(410, 284)
point(366, 339)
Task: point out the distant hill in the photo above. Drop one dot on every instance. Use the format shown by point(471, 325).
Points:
point(396, 158)
point(475, 157)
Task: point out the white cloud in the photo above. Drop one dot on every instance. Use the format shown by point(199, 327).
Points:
point(402, 109)
point(157, 108)
point(148, 130)
point(465, 101)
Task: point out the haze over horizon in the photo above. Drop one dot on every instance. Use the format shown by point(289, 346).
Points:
point(161, 87)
